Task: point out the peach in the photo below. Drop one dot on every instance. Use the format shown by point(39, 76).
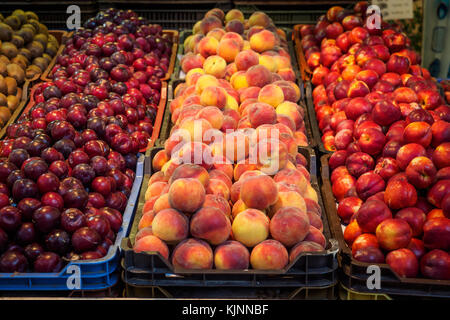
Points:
point(244, 166)
point(161, 203)
point(269, 255)
point(170, 225)
point(191, 61)
point(219, 202)
point(156, 189)
point(234, 36)
point(258, 76)
point(218, 187)
point(262, 41)
point(148, 205)
point(239, 80)
point(210, 224)
point(246, 59)
point(211, 114)
point(216, 33)
point(287, 74)
point(315, 220)
point(249, 93)
point(151, 243)
point(292, 177)
point(315, 235)
point(224, 165)
point(231, 103)
point(262, 113)
point(205, 81)
point(271, 155)
point(271, 94)
point(229, 71)
point(214, 96)
point(259, 192)
point(231, 255)
point(209, 23)
point(291, 91)
point(235, 146)
point(186, 194)
point(219, 175)
point(304, 246)
point(216, 12)
point(191, 43)
point(146, 220)
point(290, 109)
point(393, 234)
point(250, 227)
point(234, 14)
point(147, 231)
point(215, 65)
point(289, 225)
point(268, 62)
point(238, 207)
point(192, 254)
point(207, 46)
point(259, 18)
point(189, 170)
point(288, 199)
point(235, 26)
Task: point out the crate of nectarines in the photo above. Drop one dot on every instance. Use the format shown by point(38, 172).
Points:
point(195, 226)
point(397, 237)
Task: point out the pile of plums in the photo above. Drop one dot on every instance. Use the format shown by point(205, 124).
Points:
point(68, 165)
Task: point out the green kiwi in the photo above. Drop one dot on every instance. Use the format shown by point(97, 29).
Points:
point(27, 34)
point(6, 32)
point(9, 50)
point(36, 49)
point(13, 22)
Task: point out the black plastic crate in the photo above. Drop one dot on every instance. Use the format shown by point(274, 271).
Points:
point(309, 270)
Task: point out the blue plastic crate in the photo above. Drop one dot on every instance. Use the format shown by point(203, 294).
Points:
point(95, 274)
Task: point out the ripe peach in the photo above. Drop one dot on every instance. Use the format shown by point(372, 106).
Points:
point(271, 155)
point(214, 96)
point(238, 207)
point(262, 41)
point(218, 187)
point(216, 33)
point(161, 203)
point(235, 26)
point(207, 46)
point(170, 225)
point(315, 235)
point(234, 14)
point(250, 227)
point(289, 225)
point(228, 49)
point(160, 158)
point(189, 170)
point(259, 192)
point(351, 232)
point(211, 114)
point(291, 110)
point(215, 65)
point(156, 189)
point(304, 246)
point(258, 76)
point(191, 61)
point(209, 23)
point(364, 240)
point(259, 18)
point(288, 199)
point(271, 94)
point(192, 254)
point(262, 113)
point(234, 36)
point(239, 80)
point(231, 255)
point(151, 243)
point(219, 202)
point(204, 81)
point(210, 224)
point(146, 220)
point(292, 176)
point(269, 255)
point(186, 194)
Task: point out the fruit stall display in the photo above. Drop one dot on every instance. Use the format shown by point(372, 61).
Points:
point(70, 162)
point(197, 217)
point(383, 118)
point(26, 49)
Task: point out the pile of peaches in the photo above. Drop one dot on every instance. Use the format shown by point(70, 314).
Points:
point(214, 199)
point(383, 116)
point(68, 164)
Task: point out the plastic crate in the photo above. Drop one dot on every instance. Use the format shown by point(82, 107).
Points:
point(347, 294)
point(150, 269)
point(354, 272)
point(52, 13)
point(95, 274)
point(288, 293)
point(169, 14)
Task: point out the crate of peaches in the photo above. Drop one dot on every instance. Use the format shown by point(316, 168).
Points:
point(230, 191)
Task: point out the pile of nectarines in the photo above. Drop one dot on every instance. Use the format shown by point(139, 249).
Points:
point(230, 188)
point(383, 116)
